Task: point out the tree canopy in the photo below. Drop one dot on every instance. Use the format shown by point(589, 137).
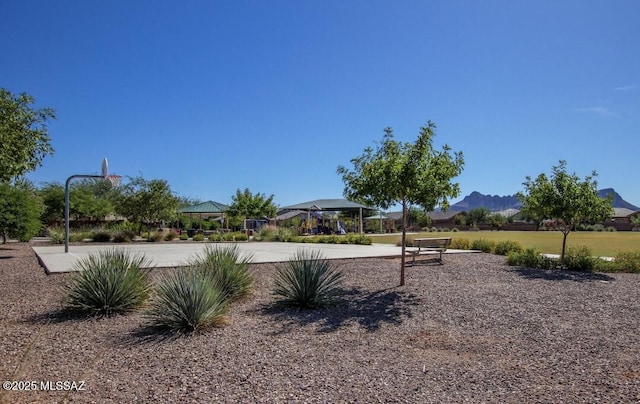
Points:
point(146, 202)
point(20, 209)
point(565, 200)
point(247, 205)
point(405, 173)
point(23, 135)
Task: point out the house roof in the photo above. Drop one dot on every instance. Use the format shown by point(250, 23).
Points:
point(622, 212)
point(327, 204)
point(205, 207)
point(445, 215)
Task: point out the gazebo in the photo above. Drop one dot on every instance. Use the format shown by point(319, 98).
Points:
point(330, 205)
point(209, 207)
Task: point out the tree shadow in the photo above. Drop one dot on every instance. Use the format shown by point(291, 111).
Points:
point(562, 275)
point(369, 309)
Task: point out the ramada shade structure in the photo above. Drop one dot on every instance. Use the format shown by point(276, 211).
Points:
point(208, 207)
point(330, 205)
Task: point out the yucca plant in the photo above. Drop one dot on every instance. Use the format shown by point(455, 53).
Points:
point(225, 266)
point(111, 281)
point(307, 281)
point(186, 301)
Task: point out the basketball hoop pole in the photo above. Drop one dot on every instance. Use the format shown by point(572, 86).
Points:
point(105, 174)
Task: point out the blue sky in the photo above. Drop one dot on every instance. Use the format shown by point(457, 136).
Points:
point(215, 96)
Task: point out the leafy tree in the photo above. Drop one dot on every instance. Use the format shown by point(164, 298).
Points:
point(477, 216)
point(419, 217)
point(23, 135)
point(20, 209)
point(52, 195)
point(245, 205)
point(91, 198)
point(146, 202)
point(496, 220)
point(565, 199)
point(635, 221)
point(405, 173)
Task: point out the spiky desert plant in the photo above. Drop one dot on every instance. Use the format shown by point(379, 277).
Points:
point(111, 281)
point(186, 301)
point(307, 281)
point(227, 268)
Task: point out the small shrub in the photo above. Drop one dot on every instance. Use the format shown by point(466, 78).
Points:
point(154, 237)
point(628, 261)
point(80, 235)
point(198, 237)
point(483, 245)
point(611, 229)
point(308, 281)
point(101, 236)
point(225, 268)
point(111, 281)
point(56, 235)
point(184, 236)
point(455, 230)
point(186, 301)
point(598, 227)
point(579, 258)
point(434, 229)
point(123, 236)
point(170, 236)
point(507, 246)
point(530, 258)
point(460, 244)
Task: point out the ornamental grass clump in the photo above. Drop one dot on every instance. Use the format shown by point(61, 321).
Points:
point(109, 282)
point(227, 269)
point(186, 301)
point(308, 281)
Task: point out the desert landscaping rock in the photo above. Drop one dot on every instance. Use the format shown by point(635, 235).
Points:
point(471, 330)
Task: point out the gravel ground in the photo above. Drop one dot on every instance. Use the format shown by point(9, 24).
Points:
point(471, 330)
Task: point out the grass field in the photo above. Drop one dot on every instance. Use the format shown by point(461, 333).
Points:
point(601, 243)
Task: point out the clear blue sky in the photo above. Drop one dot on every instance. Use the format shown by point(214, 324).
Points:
point(215, 96)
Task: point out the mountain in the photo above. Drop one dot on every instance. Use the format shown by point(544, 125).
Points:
point(491, 202)
point(618, 202)
point(496, 203)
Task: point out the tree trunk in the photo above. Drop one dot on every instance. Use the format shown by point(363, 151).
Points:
point(4, 237)
point(564, 245)
point(404, 240)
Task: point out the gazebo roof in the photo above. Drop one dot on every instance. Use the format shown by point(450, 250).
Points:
point(327, 204)
point(206, 207)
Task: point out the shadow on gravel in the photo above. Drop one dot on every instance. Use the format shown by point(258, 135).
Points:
point(560, 275)
point(369, 309)
point(59, 316)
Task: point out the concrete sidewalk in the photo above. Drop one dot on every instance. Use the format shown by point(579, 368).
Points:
point(55, 260)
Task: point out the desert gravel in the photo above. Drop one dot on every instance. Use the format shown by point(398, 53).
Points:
point(471, 330)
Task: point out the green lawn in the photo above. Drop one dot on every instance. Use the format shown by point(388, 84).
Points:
point(601, 243)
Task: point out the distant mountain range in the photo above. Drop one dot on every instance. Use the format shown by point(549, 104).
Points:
point(496, 203)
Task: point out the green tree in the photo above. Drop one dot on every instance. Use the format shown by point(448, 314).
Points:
point(52, 195)
point(418, 217)
point(146, 202)
point(404, 173)
point(20, 210)
point(477, 216)
point(496, 220)
point(245, 205)
point(23, 135)
point(565, 199)
point(91, 198)
point(635, 221)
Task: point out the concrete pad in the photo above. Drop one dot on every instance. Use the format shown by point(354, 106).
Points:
point(55, 260)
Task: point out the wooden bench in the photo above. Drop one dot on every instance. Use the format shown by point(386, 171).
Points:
point(429, 246)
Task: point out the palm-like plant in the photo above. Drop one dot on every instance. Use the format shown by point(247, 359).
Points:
point(111, 281)
point(227, 269)
point(307, 281)
point(186, 301)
